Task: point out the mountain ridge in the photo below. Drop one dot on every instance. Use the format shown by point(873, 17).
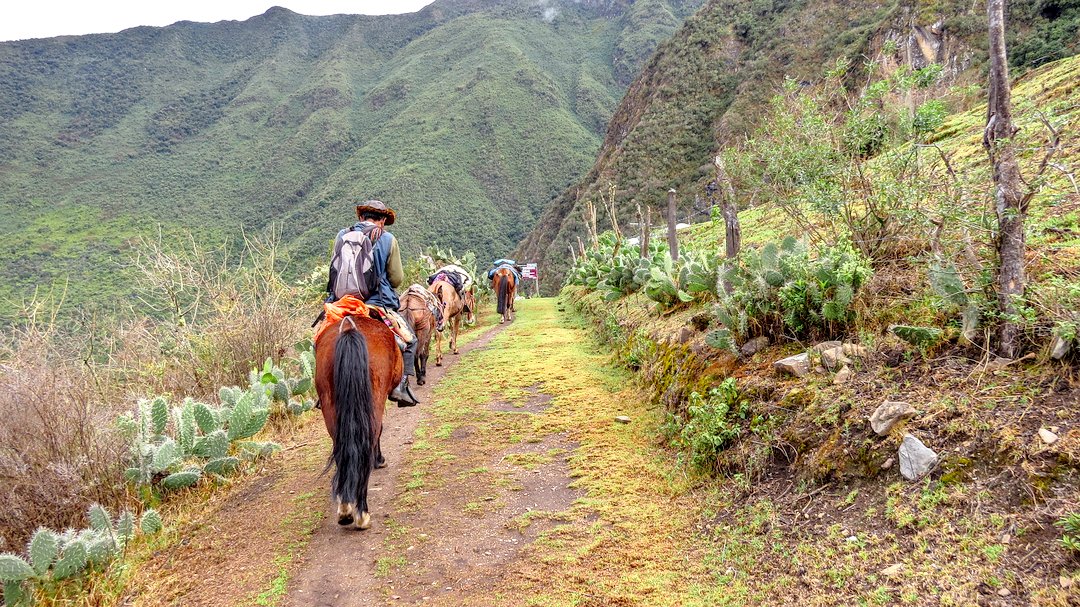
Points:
point(468, 117)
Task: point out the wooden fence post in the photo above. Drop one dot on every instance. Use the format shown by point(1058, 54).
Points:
point(672, 237)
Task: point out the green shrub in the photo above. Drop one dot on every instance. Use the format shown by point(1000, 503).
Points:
point(1070, 538)
point(713, 422)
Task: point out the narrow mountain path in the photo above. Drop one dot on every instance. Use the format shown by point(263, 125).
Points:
point(341, 563)
point(512, 484)
point(519, 487)
point(243, 545)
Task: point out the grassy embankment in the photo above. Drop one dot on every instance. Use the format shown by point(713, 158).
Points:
point(812, 501)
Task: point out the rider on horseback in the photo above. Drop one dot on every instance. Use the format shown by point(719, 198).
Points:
point(373, 217)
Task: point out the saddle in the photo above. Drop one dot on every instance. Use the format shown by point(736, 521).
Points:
point(351, 306)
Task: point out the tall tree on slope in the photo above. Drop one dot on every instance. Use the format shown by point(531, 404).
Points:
point(1010, 199)
point(1011, 193)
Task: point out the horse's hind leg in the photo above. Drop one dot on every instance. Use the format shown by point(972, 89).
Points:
point(453, 336)
point(438, 348)
point(380, 461)
point(363, 515)
point(346, 513)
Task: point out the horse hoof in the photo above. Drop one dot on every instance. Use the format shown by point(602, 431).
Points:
point(345, 514)
point(420, 382)
point(364, 522)
point(345, 519)
point(380, 464)
point(438, 364)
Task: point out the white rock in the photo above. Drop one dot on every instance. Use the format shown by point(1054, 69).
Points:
point(1061, 348)
point(834, 358)
point(854, 350)
point(888, 414)
point(916, 459)
point(842, 376)
point(1047, 436)
point(892, 570)
point(798, 365)
point(622, 419)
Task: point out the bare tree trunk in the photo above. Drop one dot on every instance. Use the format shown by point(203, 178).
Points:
point(730, 211)
point(1010, 203)
point(672, 236)
point(646, 232)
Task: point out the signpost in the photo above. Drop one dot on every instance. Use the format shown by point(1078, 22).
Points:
point(529, 271)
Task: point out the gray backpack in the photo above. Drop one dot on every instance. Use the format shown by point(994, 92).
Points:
point(354, 263)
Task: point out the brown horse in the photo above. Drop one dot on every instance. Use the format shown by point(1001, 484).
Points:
point(450, 306)
point(357, 364)
point(470, 304)
point(418, 314)
point(505, 288)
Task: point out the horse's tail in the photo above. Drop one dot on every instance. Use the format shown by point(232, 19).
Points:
point(354, 408)
point(502, 290)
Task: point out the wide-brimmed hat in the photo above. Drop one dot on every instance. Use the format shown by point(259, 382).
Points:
point(377, 207)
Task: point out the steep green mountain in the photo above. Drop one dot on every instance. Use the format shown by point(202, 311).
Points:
point(704, 88)
point(467, 117)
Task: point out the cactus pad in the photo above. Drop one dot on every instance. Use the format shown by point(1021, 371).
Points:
point(159, 415)
point(182, 479)
point(222, 466)
point(150, 523)
point(43, 548)
point(165, 456)
point(204, 418)
point(14, 568)
point(100, 519)
point(72, 562)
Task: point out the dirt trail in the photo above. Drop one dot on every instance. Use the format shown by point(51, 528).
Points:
point(341, 565)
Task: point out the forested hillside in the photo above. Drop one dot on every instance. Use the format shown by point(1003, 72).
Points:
point(705, 87)
point(467, 117)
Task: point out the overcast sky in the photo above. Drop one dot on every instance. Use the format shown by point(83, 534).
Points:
point(45, 18)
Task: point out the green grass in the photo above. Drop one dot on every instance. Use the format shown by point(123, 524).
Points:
point(299, 526)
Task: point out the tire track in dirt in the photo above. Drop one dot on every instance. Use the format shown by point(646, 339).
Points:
point(339, 565)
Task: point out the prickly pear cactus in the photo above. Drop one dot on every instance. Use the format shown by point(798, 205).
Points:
point(205, 418)
point(247, 418)
point(165, 456)
point(100, 519)
point(229, 395)
point(43, 549)
point(159, 415)
point(182, 479)
point(14, 569)
point(100, 546)
point(222, 466)
point(72, 561)
point(15, 595)
point(301, 386)
point(125, 527)
point(252, 450)
point(150, 523)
